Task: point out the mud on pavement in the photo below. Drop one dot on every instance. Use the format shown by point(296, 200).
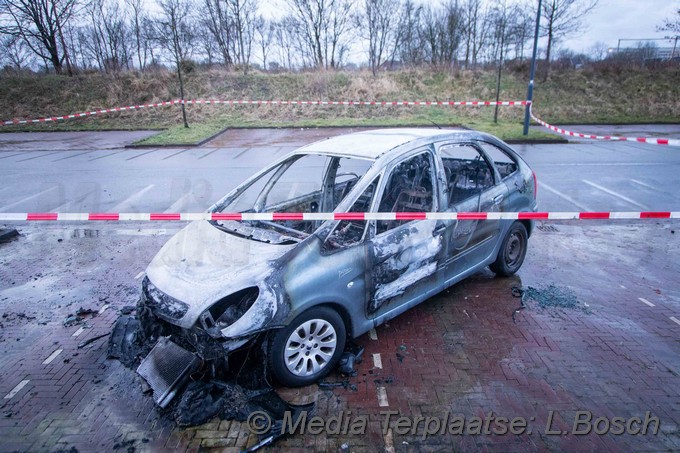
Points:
point(459, 353)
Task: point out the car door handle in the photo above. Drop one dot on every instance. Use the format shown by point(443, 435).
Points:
point(497, 199)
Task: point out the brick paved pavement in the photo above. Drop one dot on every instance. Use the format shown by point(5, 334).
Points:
point(460, 352)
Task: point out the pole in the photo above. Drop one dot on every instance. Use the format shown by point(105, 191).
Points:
point(530, 89)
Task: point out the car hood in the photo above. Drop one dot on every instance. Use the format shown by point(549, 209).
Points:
point(202, 264)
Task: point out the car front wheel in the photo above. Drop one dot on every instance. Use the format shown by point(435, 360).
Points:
point(308, 348)
point(512, 252)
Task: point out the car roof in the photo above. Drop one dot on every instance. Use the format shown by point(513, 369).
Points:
point(374, 143)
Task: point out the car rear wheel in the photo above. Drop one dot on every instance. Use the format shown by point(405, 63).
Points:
point(512, 252)
point(308, 348)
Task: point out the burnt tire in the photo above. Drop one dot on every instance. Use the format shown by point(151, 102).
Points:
point(512, 252)
point(308, 348)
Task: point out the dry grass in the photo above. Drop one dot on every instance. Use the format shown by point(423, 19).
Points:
point(570, 96)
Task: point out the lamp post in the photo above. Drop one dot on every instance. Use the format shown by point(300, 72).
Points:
point(530, 90)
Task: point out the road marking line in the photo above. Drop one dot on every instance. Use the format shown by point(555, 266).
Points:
point(377, 361)
point(77, 200)
point(38, 157)
point(640, 183)
point(645, 301)
point(389, 441)
point(615, 194)
point(11, 155)
point(102, 157)
point(177, 205)
point(17, 389)
point(174, 154)
point(139, 275)
point(103, 309)
point(52, 356)
point(382, 397)
point(207, 154)
point(675, 320)
point(623, 287)
point(71, 157)
point(123, 204)
point(143, 154)
point(78, 332)
point(30, 197)
point(582, 207)
point(372, 334)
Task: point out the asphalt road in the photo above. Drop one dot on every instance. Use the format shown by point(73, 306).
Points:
point(94, 172)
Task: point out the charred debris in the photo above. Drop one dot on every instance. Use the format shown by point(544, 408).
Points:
point(192, 388)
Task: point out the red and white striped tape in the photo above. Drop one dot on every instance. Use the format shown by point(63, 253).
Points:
point(650, 140)
point(276, 216)
point(90, 113)
point(261, 102)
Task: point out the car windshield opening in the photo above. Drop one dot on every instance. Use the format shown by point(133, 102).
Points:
point(302, 183)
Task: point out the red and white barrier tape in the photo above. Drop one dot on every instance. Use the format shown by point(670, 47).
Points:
point(91, 113)
point(650, 140)
point(275, 216)
point(259, 102)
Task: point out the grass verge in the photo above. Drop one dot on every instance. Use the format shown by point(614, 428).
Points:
point(197, 133)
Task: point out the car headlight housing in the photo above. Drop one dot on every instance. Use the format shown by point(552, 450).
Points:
point(229, 309)
point(162, 305)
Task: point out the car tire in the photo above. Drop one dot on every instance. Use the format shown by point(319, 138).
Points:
point(512, 252)
point(308, 348)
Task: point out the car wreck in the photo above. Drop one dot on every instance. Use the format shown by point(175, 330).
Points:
point(298, 291)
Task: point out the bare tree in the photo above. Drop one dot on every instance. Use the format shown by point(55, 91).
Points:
point(265, 32)
point(476, 29)
point(15, 53)
point(242, 19)
point(107, 35)
point(217, 20)
point(441, 32)
point(377, 24)
point(40, 24)
point(175, 33)
point(138, 19)
point(326, 28)
point(671, 26)
point(561, 18)
point(408, 43)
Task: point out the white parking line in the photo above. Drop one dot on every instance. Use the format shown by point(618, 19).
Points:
point(640, 183)
point(78, 332)
point(177, 205)
point(52, 356)
point(377, 361)
point(103, 309)
point(382, 397)
point(675, 320)
point(29, 198)
point(615, 194)
point(17, 389)
point(137, 277)
point(622, 287)
point(121, 207)
point(389, 441)
point(645, 301)
point(581, 206)
point(372, 334)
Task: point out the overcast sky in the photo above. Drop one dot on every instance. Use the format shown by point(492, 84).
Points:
point(612, 20)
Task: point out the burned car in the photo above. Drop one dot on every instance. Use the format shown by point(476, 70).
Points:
point(306, 287)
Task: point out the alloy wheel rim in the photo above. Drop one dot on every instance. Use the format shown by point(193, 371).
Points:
point(310, 347)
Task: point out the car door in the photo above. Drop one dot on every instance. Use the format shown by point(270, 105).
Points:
point(404, 255)
point(472, 186)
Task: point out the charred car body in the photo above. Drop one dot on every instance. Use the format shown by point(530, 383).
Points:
point(309, 285)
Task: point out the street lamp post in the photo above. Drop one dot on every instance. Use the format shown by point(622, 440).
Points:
point(530, 90)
